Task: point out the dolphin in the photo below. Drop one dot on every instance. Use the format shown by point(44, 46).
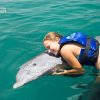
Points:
point(98, 38)
point(38, 66)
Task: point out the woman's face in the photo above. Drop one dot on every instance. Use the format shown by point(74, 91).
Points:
point(52, 46)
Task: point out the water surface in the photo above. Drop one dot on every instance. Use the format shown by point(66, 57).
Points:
point(23, 24)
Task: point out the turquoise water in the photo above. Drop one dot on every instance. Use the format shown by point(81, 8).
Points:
point(23, 24)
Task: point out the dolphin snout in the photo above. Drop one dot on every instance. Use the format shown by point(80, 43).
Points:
point(18, 84)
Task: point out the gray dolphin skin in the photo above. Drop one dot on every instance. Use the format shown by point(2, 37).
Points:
point(37, 67)
point(98, 38)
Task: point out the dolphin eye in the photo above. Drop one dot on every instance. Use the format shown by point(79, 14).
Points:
point(34, 64)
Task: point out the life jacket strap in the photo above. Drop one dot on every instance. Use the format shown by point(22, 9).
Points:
point(88, 56)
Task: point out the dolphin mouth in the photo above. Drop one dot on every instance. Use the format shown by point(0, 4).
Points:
point(18, 84)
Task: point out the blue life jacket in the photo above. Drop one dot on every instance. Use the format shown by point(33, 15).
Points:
point(88, 55)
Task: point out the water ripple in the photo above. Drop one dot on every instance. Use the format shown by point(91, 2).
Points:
point(22, 28)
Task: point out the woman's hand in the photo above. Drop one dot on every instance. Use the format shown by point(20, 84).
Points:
point(60, 73)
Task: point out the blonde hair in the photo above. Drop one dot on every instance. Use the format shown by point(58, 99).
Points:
point(53, 36)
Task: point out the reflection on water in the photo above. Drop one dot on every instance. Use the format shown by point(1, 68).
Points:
point(92, 90)
point(23, 24)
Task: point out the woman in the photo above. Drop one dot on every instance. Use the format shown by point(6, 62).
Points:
point(77, 49)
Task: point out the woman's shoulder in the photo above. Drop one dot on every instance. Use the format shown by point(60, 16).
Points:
point(71, 48)
point(66, 48)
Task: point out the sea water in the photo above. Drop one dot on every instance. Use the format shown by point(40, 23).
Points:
point(23, 24)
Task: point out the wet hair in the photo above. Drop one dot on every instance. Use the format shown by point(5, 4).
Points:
point(53, 36)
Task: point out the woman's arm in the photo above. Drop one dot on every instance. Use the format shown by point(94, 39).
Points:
point(71, 71)
point(70, 58)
